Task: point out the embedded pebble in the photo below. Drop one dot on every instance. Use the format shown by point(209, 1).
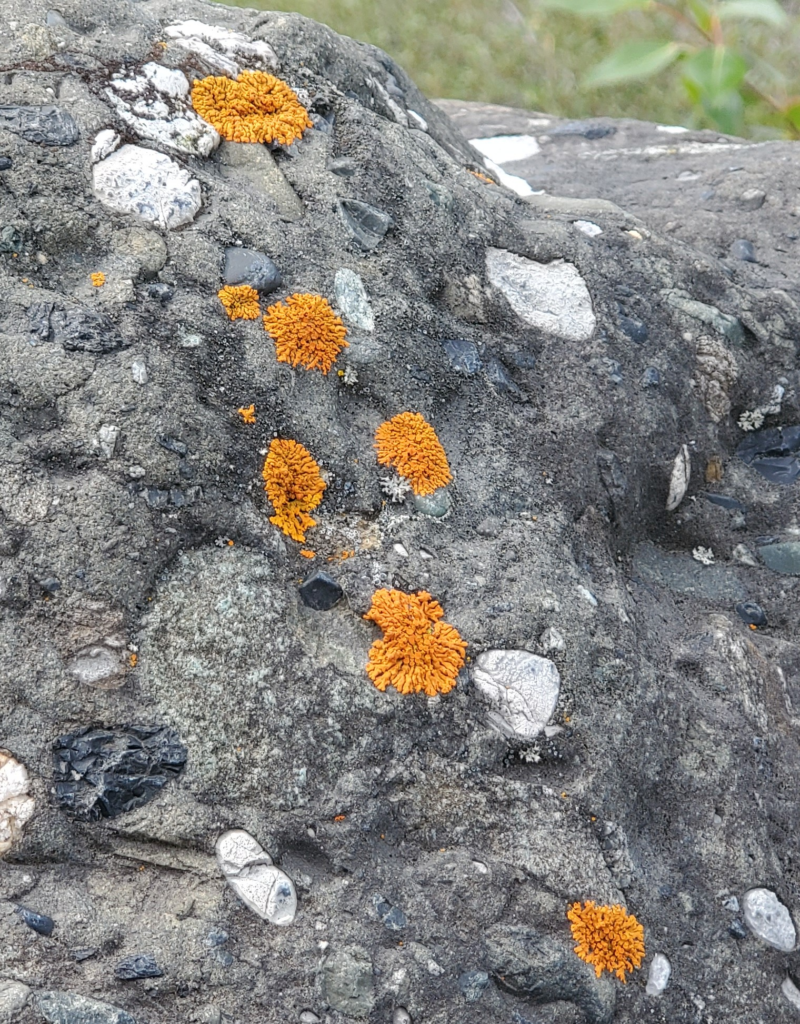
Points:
point(249, 266)
point(351, 298)
point(552, 640)
point(16, 803)
point(588, 228)
point(742, 249)
point(5, 163)
point(679, 478)
point(751, 613)
point(249, 871)
point(147, 184)
point(13, 997)
point(658, 976)
point(366, 223)
point(348, 981)
point(436, 504)
point(550, 296)
point(40, 923)
point(70, 1008)
point(651, 378)
point(321, 592)
point(308, 1017)
point(791, 991)
point(768, 919)
point(523, 689)
point(139, 965)
point(139, 371)
point(102, 773)
point(472, 985)
point(752, 199)
point(98, 665)
point(47, 125)
point(401, 1016)
point(390, 917)
point(773, 452)
point(107, 438)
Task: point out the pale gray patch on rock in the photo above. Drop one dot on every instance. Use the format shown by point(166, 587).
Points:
point(147, 184)
point(550, 296)
point(221, 48)
point(249, 871)
point(679, 479)
point(105, 143)
point(351, 297)
point(349, 985)
point(769, 920)
point(791, 991)
point(523, 689)
point(98, 665)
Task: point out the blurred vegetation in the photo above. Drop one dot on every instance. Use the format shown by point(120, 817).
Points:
point(524, 54)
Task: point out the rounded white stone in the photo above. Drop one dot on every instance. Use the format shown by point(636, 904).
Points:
point(16, 804)
point(791, 992)
point(147, 184)
point(550, 296)
point(769, 920)
point(249, 871)
point(169, 81)
point(660, 970)
point(522, 689)
point(13, 997)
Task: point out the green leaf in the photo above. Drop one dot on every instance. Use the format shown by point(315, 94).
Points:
point(793, 115)
point(768, 11)
point(701, 12)
point(594, 8)
point(634, 60)
point(714, 71)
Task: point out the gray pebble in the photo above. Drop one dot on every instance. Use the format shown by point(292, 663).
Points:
point(248, 266)
point(744, 250)
point(366, 223)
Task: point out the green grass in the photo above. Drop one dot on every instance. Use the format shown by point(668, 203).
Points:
point(521, 55)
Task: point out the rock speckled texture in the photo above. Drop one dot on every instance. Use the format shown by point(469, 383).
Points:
point(144, 588)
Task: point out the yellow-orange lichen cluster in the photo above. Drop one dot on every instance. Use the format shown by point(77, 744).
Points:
point(247, 413)
point(609, 938)
point(418, 653)
point(255, 107)
point(240, 301)
point(409, 444)
point(306, 332)
point(294, 486)
point(98, 278)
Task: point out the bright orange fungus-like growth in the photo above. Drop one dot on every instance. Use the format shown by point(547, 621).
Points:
point(306, 332)
point(409, 443)
point(248, 413)
point(255, 107)
point(418, 653)
point(98, 278)
point(609, 938)
point(240, 301)
point(294, 486)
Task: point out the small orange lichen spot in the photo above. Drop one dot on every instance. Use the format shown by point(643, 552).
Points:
point(230, 543)
point(609, 938)
point(409, 444)
point(340, 817)
point(753, 626)
point(563, 796)
point(294, 486)
point(133, 660)
point(248, 413)
point(98, 279)
point(306, 332)
point(255, 107)
point(483, 177)
point(418, 653)
point(308, 554)
point(240, 301)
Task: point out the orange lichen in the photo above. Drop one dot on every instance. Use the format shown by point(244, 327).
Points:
point(240, 301)
point(418, 653)
point(306, 332)
point(248, 413)
point(294, 486)
point(609, 938)
point(339, 817)
point(133, 660)
point(98, 279)
point(308, 554)
point(255, 107)
point(409, 443)
point(483, 177)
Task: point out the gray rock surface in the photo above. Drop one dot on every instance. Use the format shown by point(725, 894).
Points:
point(670, 772)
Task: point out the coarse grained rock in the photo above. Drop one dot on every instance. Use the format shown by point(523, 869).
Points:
point(134, 524)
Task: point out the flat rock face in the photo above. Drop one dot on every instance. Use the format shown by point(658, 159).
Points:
point(174, 670)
